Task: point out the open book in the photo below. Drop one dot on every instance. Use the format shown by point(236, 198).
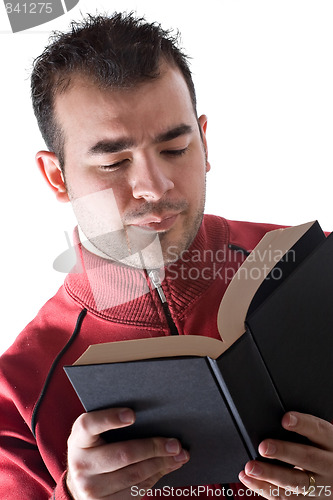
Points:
point(222, 397)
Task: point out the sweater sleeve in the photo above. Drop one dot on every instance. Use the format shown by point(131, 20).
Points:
point(61, 491)
point(23, 473)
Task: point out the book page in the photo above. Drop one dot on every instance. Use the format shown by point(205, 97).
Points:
point(156, 347)
point(239, 294)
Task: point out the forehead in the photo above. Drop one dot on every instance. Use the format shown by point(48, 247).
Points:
point(85, 109)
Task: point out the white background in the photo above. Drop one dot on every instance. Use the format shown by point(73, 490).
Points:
point(264, 76)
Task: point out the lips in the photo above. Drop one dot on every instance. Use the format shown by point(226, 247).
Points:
point(157, 223)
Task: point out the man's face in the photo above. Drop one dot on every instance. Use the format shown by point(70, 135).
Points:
point(135, 166)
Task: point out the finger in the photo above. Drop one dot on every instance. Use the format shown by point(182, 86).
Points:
point(266, 489)
point(88, 426)
point(149, 483)
point(294, 480)
point(105, 484)
point(137, 491)
point(304, 456)
point(147, 471)
point(259, 487)
point(317, 430)
point(113, 456)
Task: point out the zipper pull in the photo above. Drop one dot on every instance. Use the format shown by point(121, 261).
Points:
point(156, 282)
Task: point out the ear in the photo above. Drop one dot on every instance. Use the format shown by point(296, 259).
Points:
point(49, 165)
point(203, 125)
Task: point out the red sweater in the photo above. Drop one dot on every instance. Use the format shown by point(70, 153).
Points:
point(101, 302)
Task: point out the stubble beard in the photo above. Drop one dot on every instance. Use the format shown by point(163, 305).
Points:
point(143, 249)
point(147, 249)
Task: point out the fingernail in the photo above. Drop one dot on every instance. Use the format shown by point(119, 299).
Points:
point(243, 477)
point(292, 420)
point(172, 446)
point(183, 456)
point(126, 416)
point(270, 449)
point(256, 470)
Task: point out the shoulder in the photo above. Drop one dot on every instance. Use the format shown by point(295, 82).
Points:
point(248, 234)
point(243, 234)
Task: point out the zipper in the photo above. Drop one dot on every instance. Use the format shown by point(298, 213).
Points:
point(156, 282)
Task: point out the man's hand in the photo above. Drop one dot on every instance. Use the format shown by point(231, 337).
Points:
point(316, 460)
point(100, 470)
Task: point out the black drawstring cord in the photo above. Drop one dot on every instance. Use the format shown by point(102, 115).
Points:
point(238, 248)
point(53, 367)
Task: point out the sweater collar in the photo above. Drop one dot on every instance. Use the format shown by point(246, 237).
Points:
point(121, 293)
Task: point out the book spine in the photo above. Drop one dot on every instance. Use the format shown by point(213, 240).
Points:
point(252, 390)
point(232, 408)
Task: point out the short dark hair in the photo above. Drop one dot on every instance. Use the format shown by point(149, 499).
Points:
point(117, 51)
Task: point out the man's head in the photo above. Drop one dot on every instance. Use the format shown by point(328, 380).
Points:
point(116, 52)
point(126, 146)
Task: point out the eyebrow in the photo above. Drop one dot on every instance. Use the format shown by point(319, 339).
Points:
point(118, 145)
point(107, 146)
point(173, 133)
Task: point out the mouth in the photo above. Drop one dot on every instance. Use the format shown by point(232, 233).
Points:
point(157, 223)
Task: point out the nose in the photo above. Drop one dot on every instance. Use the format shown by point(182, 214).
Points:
point(150, 179)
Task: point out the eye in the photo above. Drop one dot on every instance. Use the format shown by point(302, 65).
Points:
point(113, 166)
point(175, 152)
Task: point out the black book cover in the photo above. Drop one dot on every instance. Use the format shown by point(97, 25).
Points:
point(172, 397)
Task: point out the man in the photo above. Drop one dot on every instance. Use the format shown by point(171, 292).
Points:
point(115, 102)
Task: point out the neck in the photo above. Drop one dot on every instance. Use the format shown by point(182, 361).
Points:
point(90, 246)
